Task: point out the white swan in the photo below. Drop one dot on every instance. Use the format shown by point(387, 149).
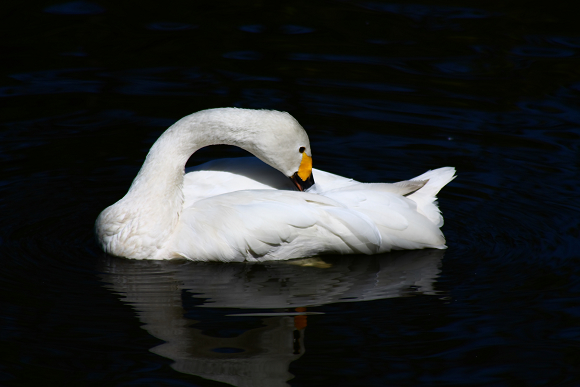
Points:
point(245, 210)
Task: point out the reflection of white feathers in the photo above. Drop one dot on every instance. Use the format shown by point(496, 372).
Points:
point(270, 292)
point(245, 210)
point(275, 285)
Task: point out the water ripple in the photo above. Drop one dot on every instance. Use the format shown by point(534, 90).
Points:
point(75, 8)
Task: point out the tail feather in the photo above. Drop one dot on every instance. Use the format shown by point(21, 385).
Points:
point(426, 197)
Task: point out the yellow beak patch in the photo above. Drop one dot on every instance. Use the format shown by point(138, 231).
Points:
point(305, 169)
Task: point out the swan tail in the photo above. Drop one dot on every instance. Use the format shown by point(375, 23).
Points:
point(426, 196)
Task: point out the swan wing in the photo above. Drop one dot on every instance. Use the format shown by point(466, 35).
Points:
point(269, 224)
point(274, 225)
point(242, 210)
point(397, 218)
point(406, 213)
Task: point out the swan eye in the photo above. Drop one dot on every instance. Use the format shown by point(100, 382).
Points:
point(302, 149)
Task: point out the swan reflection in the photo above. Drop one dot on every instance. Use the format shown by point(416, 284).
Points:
point(258, 326)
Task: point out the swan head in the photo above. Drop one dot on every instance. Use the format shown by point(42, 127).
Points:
point(283, 144)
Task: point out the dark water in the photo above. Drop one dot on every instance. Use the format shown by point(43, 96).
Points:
point(386, 91)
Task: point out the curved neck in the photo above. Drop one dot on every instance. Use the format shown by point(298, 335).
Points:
point(163, 169)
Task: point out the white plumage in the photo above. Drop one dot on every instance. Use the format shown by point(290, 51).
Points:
point(245, 210)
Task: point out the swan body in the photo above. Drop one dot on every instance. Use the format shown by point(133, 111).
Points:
point(247, 209)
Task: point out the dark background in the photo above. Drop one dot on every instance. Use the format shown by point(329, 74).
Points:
point(386, 91)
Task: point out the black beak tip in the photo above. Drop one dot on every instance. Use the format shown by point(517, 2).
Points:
point(302, 185)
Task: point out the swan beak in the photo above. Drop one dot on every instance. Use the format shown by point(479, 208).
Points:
point(303, 178)
point(302, 185)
